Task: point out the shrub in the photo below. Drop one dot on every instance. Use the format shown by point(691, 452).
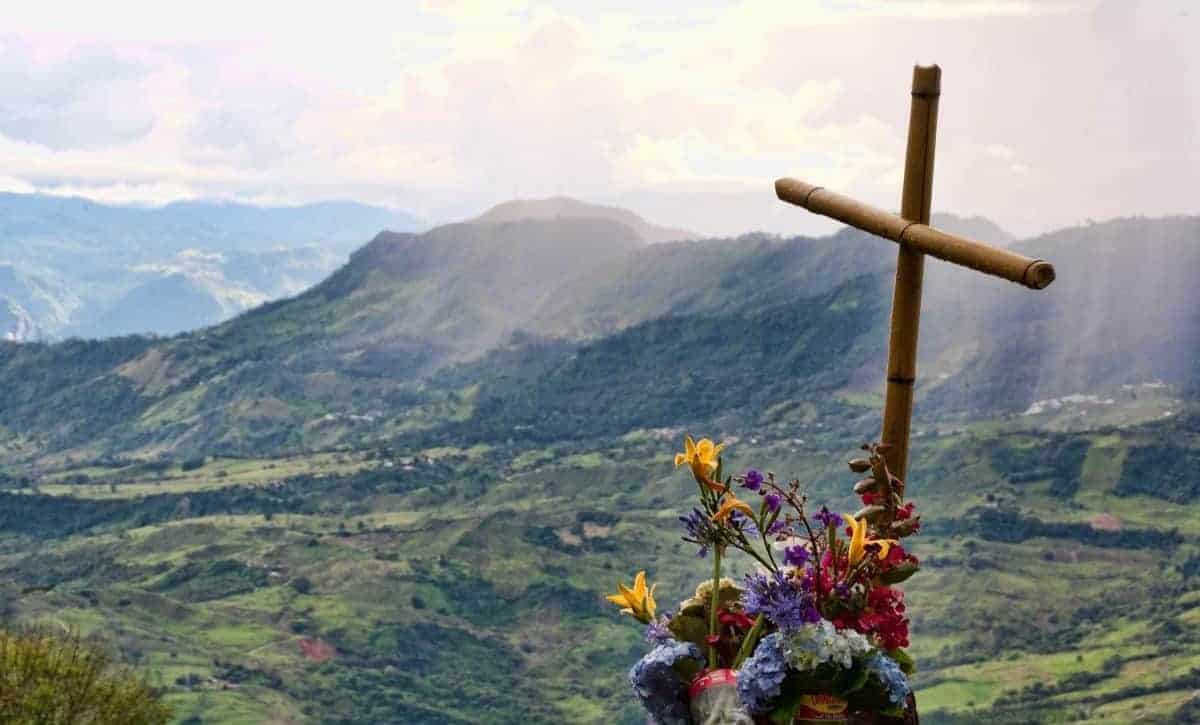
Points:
point(192, 464)
point(64, 679)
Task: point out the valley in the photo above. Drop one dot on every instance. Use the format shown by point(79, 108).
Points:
point(399, 495)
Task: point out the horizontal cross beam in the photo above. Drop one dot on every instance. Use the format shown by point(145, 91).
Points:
point(1033, 273)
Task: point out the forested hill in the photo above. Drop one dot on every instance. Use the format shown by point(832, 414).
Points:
point(413, 339)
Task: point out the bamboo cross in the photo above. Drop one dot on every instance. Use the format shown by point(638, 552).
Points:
point(916, 239)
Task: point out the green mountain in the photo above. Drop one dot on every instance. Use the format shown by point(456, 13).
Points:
point(351, 359)
point(399, 495)
point(1120, 315)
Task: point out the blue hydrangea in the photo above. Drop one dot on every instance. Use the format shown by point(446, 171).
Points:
point(761, 676)
point(662, 692)
point(889, 674)
point(816, 644)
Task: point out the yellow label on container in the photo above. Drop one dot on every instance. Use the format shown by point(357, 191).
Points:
point(821, 708)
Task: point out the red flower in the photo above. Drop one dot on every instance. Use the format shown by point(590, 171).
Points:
point(735, 619)
point(895, 555)
point(870, 498)
point(882, 619)
point(904, 512)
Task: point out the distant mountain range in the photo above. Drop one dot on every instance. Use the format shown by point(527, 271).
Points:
point(534, 316)
point(70, 266)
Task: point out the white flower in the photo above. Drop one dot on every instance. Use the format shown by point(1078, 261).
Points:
point(816, 644)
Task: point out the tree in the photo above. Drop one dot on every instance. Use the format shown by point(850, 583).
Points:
point(46, 678)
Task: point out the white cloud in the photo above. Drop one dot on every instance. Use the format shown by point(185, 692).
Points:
point(456, 104)
point(13, 185)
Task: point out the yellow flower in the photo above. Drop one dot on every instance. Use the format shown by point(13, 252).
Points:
point(730, 504)
point(638, 601)
point(702, 457)
point(859, 540)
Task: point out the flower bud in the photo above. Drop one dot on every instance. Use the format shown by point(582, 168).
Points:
point(867, 512)
point(865, 486)
point(860, 465)
point(907, 526)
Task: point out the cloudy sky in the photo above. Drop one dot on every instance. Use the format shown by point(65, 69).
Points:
point(1052, 112)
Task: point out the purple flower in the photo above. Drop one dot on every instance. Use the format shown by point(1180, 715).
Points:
point(752, 480)
point(744, 523)
point(777, 528)
point(826, 518)
point(796, 555)
point(784, 600)
point(700, 530)
point(842, 590)
point(773, 501)
point(659, 632)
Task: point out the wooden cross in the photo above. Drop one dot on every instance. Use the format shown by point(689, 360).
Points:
point(916, 239)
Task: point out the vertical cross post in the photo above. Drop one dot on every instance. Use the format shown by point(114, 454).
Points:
point(910, 267)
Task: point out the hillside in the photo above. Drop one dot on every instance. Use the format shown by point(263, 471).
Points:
point(1130, 319)
point(404, 305)
point(416, 477)
point(364, 585)
point(351, 359)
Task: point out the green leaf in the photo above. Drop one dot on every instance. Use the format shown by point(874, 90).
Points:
point(788, 700)
point(785, 714)
point(687, 669)
point(689, 628)
point(899, 573)
point(848, 681)
point(907, 664)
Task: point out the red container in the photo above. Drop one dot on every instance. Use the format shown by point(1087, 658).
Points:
point(713, 693)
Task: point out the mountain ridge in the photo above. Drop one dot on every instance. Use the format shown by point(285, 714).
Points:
point(369, 340)
point(569, 207)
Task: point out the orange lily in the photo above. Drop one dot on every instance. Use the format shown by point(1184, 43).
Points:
point(859, 540)
point(638, 601)
point(702, 457)
point(730, 504)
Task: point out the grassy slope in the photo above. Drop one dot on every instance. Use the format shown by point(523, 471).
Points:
point(450, 597)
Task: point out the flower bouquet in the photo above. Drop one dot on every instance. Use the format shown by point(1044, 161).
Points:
point(815, 634)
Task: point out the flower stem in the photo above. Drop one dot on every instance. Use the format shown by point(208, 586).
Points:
point(716, 598)
point(749, 642)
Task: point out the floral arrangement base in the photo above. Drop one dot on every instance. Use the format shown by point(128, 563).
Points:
point(822, 709)
point(713, 699)
point(909, 717)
